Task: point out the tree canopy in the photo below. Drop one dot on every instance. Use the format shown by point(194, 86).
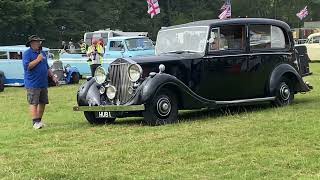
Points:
point(58, 20)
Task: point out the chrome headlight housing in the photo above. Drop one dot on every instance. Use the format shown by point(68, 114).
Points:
point(134, 72)
point(100, 75)
point(111, 92)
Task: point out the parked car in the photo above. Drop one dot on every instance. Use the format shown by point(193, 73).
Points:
point(204, 64)
point(313, 46)
point(116, 47)
point(65, 74)
point(124, 47)
point(1, 81)
point(11, 64)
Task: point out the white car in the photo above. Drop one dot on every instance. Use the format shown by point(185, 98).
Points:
point(313, 47)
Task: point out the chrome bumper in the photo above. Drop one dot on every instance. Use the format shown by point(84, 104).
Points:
point(110, 108)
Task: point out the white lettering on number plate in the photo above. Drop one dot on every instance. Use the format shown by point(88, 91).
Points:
point(105, 115)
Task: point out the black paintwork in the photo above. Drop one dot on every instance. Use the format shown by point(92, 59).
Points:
point(203, 80)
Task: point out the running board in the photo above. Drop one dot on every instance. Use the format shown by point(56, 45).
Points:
point(244, 101)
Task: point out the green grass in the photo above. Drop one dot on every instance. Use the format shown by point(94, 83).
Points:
point(254, 142)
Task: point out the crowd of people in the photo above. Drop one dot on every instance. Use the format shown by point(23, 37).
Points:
point(81, 46)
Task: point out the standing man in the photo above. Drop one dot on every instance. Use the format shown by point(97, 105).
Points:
point(95, 54)
point(36, 72)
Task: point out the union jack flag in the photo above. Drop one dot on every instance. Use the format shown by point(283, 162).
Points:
point(153, 7)
point(303, 13)
point(226, 10)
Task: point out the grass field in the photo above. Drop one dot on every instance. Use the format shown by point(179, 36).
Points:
point(253, 142)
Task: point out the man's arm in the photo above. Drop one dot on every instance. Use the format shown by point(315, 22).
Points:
point(35, 62)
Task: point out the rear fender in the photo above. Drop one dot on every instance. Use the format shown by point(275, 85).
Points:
point(286, 70)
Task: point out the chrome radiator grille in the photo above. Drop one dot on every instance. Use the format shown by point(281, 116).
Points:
point(119, 78)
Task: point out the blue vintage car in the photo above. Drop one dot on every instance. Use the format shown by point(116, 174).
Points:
point(116, 47)
point(11, 66)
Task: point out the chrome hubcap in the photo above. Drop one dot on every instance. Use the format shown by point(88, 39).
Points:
point(285, 92)
point(164, 107)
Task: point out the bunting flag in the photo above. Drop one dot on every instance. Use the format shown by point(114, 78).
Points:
point(153, 7)
point(226, 10)
point(303, 13)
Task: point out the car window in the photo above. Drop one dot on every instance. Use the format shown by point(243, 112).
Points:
point(266, 37)
point(15, 55)
point(139, 44)
point(227, 38)
point(3, 55)
point(316, 39)
point(116, 45)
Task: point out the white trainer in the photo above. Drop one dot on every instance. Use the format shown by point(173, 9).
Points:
point(38, 125)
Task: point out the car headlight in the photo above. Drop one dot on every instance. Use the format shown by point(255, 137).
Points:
point(134, 72)
point(111, 92)
point(100, 75)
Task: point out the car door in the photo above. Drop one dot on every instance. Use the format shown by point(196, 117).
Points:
point(225, 73)
point(269, 46)
point(16, 66)
point(313, 48)
point(5, 66)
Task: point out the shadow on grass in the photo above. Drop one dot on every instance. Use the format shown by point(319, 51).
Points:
point(198, 115)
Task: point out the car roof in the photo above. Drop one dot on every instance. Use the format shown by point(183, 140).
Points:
point(313, 35)
point(218, 22)
point(127, 37)
point(17, 48)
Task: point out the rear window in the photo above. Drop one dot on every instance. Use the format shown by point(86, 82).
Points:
point(266, 37)
point(3, 55)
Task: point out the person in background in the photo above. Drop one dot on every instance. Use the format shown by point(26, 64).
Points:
point(83, 46)
point(101, 42)
point(95, 54)
point(64, 47)
point(72, 48)
point(36, 73)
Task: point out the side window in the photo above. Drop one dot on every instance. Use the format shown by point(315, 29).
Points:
point(15, 55)
point(116, 45)
point(316, 39)
point(278, 40)
point(266, 37)
point(227, 38)
point(3, 55)
point(260, 37)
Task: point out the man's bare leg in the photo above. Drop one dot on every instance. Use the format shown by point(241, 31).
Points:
point(34, 111)
point(40, 110)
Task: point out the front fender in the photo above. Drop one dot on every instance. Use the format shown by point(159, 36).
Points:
point(70, 71)
point(88, 94)
point(186, 97)
point(286, 69)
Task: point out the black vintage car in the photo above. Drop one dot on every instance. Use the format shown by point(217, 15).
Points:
point(204, 64)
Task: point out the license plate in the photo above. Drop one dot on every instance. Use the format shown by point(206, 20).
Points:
point(104, 114)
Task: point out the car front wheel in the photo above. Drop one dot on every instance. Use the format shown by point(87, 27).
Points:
point(284, 93)
point(161, 109)
point(91, 118)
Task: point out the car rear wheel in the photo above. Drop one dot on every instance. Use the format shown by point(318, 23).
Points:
point(75, 78)
point(284, 92)
point(91, 118)
point(1, 83)
point(161, 109)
